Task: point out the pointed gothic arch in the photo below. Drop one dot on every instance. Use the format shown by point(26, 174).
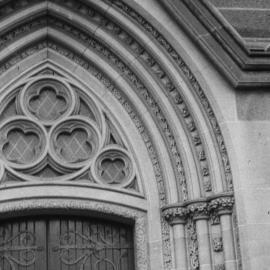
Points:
point(112, 55)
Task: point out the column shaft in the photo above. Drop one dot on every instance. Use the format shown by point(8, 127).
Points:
point(228, 242)
point(180, 247)
point(204, 244)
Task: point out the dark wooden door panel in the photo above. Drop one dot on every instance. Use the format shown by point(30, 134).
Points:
point(65, 244)
point(90, 245)
point(23, 245)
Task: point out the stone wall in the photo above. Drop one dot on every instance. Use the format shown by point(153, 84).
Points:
point(195, 148)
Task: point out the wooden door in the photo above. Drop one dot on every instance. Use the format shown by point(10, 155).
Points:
point(23, 245)
point(65, 243)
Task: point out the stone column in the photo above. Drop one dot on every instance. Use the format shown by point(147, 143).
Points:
point(223, 208)
point(200, 214)
point(228, 242)
point(180, 246)
point(196, 215)
point(176, 216)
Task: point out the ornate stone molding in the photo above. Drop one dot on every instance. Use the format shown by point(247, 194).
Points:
point(217, 244)
point(145, 94)
point(193, 245)
point(157, 70)
point(187, 73)
point(20, 31)
point(139, 87)
point(209, 208)
point(175, 215)
point(222, 205)
point(109, 85)
point(198, 210)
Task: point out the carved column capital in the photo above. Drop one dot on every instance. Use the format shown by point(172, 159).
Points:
point(222, 205)
point(175, 214)
point(198, 210)
point(208, 208)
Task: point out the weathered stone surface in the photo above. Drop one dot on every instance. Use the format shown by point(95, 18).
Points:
point(241, 3)
point(234, 38)
point(253, 105)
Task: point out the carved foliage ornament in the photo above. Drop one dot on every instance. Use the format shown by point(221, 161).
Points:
point(164, 43)
point(217, 244)
point(211, 208)
point(52, 130)
point(193, 245)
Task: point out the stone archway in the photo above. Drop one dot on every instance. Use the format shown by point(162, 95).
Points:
point(164, 124)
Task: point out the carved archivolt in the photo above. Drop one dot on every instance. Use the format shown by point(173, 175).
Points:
point(121, 34)
point(37, 143)
point(107, 82)
point(194, 84)
point(155, 68)
point(51, 130)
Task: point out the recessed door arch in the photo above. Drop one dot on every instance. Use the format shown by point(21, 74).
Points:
point(66, 243)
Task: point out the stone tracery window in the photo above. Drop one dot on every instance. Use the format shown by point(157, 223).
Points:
point(51, 130)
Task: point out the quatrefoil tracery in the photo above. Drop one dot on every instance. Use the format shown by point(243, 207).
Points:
point(74, 141)
point(23, 142)
point(47, 100)
point(58, 127)
point(114, 167)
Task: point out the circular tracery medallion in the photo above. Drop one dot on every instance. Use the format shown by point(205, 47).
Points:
point(47, 100)
point(74, 141)
point(53, 129)
point(114, 166)
point(23, 142)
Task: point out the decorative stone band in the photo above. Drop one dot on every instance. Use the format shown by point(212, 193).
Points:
point(198, 210)
point(205, 208)
point(222, 205)
point(175, 214)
